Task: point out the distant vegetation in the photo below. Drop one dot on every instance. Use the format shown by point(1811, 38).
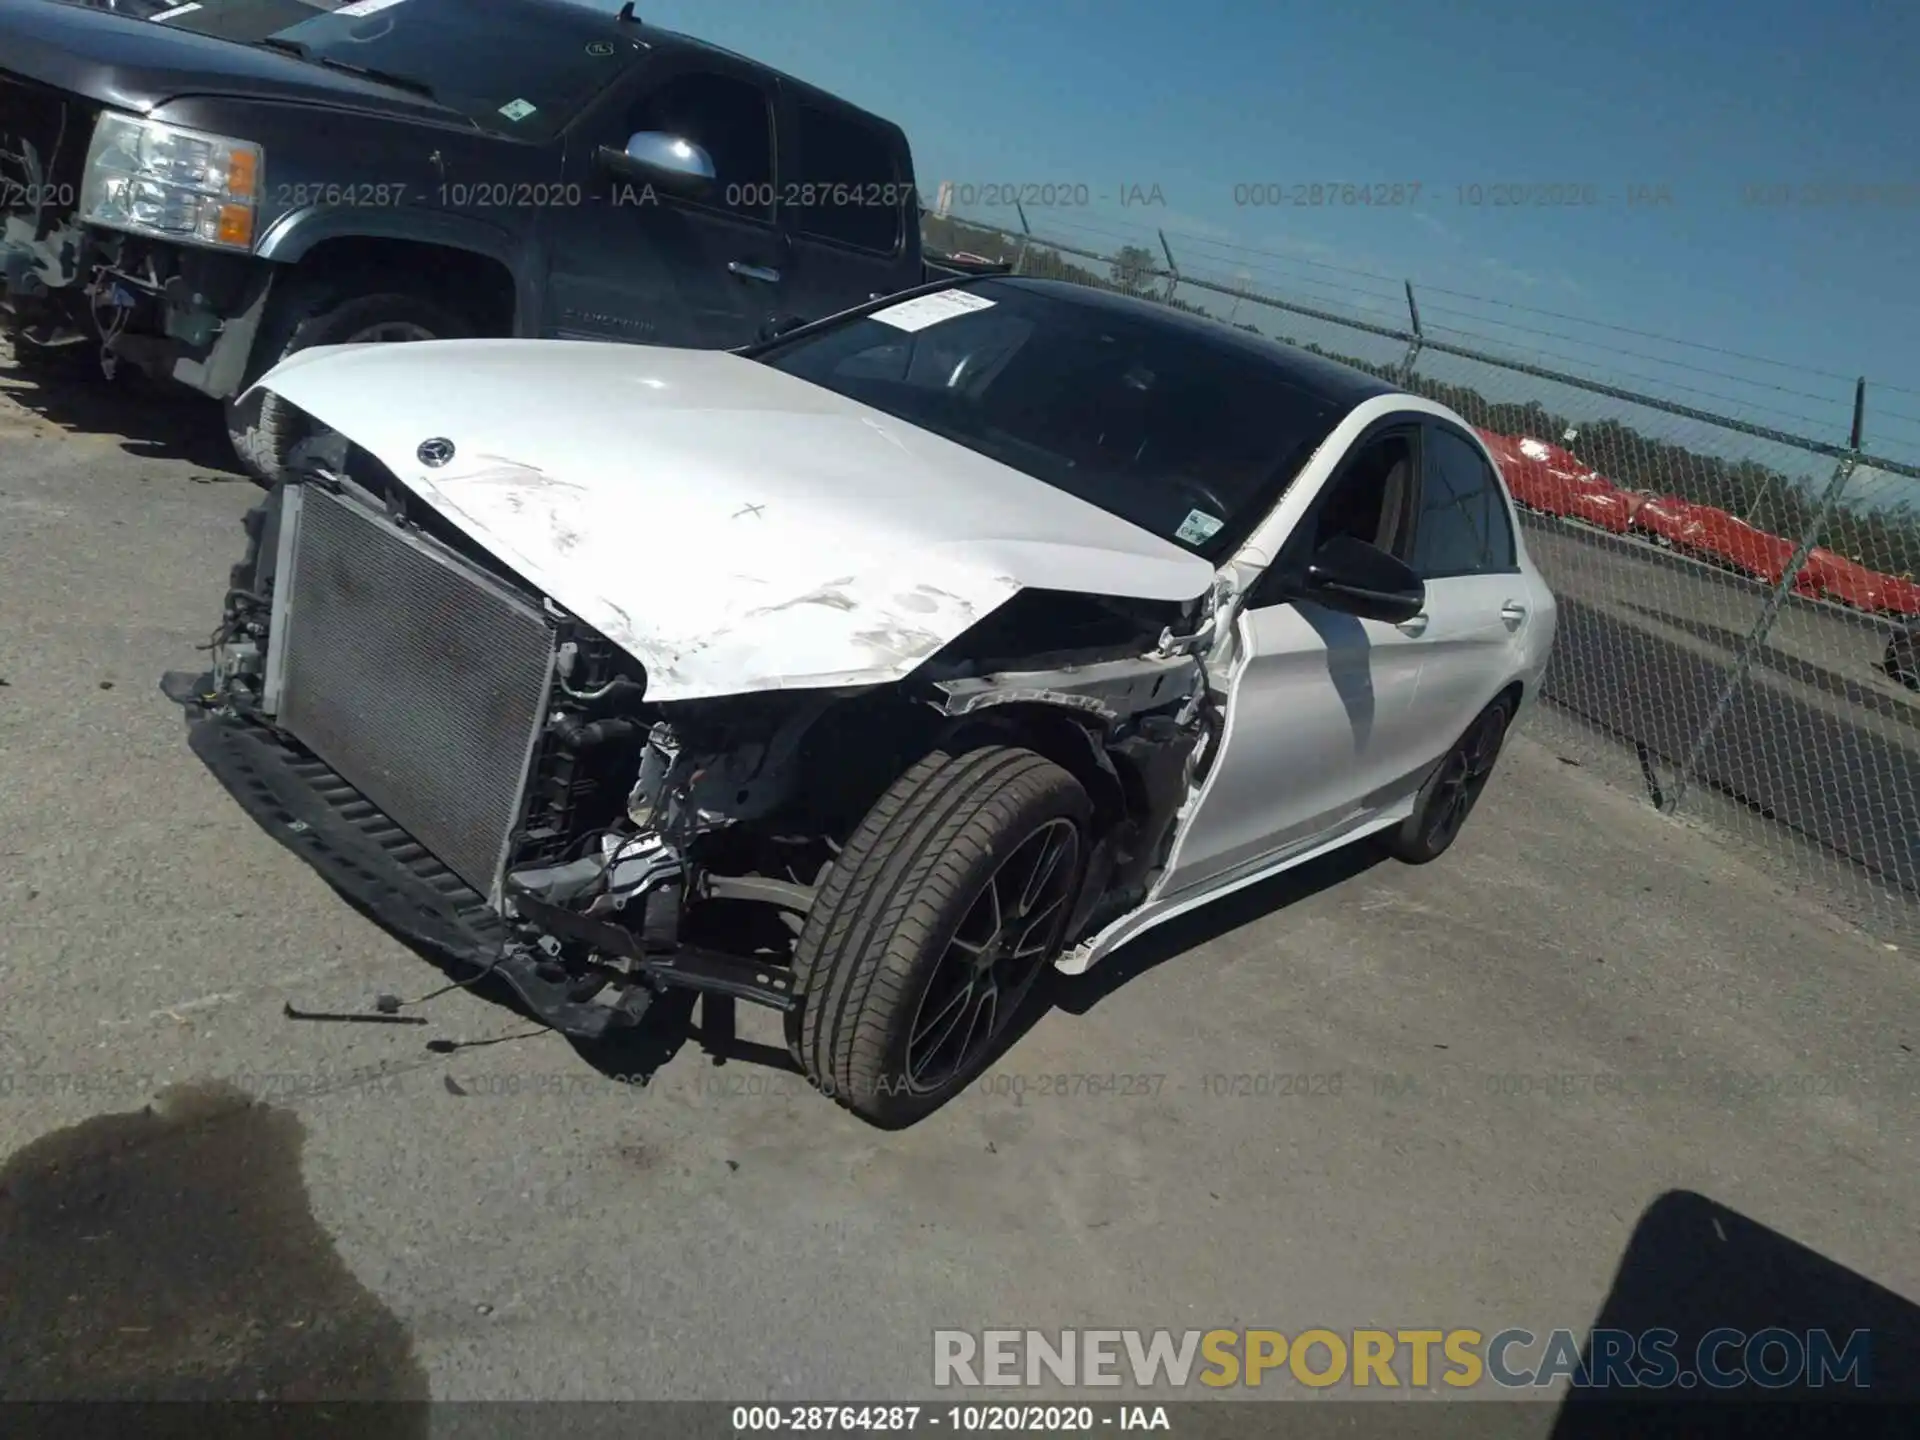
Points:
point(1884, 540)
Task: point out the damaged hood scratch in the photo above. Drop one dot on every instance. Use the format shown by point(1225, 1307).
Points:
point(733, 528)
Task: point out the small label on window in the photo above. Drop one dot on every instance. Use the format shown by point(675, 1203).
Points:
point(518, 109)
point(924, 310)
point(1198, 527)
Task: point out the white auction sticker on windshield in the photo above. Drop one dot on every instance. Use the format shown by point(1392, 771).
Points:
point(518, 109)
point(924, 310)
point(1199, 526)
point(365, 7)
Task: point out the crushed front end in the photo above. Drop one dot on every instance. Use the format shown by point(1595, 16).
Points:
point(486, 776)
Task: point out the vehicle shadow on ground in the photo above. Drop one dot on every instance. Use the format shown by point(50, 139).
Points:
point(1692, 1268)
point(148, 419)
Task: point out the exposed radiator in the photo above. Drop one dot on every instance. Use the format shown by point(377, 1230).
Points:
point(420, 681)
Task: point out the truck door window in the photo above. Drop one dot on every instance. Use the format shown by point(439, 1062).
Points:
point(732, 120)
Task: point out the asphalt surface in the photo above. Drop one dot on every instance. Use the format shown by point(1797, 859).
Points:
point(1591, 1065)
point(1813, 741)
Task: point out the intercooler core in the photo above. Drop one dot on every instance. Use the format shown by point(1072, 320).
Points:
point(421, 681)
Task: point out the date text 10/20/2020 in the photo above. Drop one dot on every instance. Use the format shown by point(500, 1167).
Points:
point(1010, 1418)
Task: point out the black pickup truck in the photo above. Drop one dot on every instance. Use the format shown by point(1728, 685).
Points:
point(200, 189)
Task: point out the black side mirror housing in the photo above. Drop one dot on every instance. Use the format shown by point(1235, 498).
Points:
point(1356, 578)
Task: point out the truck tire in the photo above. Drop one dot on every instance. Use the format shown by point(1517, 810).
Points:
point(1453, 789)
point(265, 429)
point(947, 904)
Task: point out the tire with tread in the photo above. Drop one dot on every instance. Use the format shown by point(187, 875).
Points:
point(1415, 841)
point(265, 429)
point(890, 904)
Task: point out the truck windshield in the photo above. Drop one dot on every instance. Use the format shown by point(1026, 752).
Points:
point(521, 67)
point(1189, 434)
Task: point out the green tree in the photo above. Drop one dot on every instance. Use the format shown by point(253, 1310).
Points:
point(1133, 267)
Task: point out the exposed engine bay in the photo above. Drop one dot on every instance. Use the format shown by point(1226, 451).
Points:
point(593, 846)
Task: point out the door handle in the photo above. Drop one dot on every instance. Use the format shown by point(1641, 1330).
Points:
point(753, 272)
point(1415, 628)
point(1513, 612)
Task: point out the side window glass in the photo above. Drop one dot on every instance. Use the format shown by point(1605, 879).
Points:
point(1462, 526)
point(732, 121)
point(845, 188)
point(1366, 500)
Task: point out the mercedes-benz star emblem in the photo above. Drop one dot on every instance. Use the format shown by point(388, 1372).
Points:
point(435, 452)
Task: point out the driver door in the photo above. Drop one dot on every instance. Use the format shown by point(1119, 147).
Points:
point(1320, 705)
point(632, 262)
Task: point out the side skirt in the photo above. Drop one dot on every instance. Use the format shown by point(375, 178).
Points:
point(1134, 923)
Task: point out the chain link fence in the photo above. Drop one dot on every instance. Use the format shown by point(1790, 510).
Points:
point(1738, 610)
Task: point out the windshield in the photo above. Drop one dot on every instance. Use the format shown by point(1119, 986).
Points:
point(525, 69)
point(1190, 436)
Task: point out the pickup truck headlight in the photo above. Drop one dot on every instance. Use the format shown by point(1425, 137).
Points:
point(158, 179)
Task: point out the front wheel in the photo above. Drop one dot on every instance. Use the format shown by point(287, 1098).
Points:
point(1453, 789)
point(933, 925)
point(265, 429)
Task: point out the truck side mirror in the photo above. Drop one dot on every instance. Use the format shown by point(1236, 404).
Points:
point(653, 157)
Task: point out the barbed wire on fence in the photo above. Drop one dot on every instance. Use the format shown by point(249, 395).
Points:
point(1269, 258)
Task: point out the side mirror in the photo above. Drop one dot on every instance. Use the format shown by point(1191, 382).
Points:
point(1352, 576)
point(653, 157)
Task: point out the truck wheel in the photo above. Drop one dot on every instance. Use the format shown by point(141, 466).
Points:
point(933, 925)
point(265, 429)
point(1451, 791)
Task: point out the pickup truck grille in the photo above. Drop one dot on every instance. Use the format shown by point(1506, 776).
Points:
point(420, 681)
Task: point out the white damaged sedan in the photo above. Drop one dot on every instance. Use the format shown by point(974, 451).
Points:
point(864, 673)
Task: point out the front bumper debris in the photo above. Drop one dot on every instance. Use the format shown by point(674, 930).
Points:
point(308, 808)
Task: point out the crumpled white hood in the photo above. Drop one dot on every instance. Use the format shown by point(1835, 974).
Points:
point(733, 528)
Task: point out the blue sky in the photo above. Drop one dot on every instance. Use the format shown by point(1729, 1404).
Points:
point(1703, 97)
